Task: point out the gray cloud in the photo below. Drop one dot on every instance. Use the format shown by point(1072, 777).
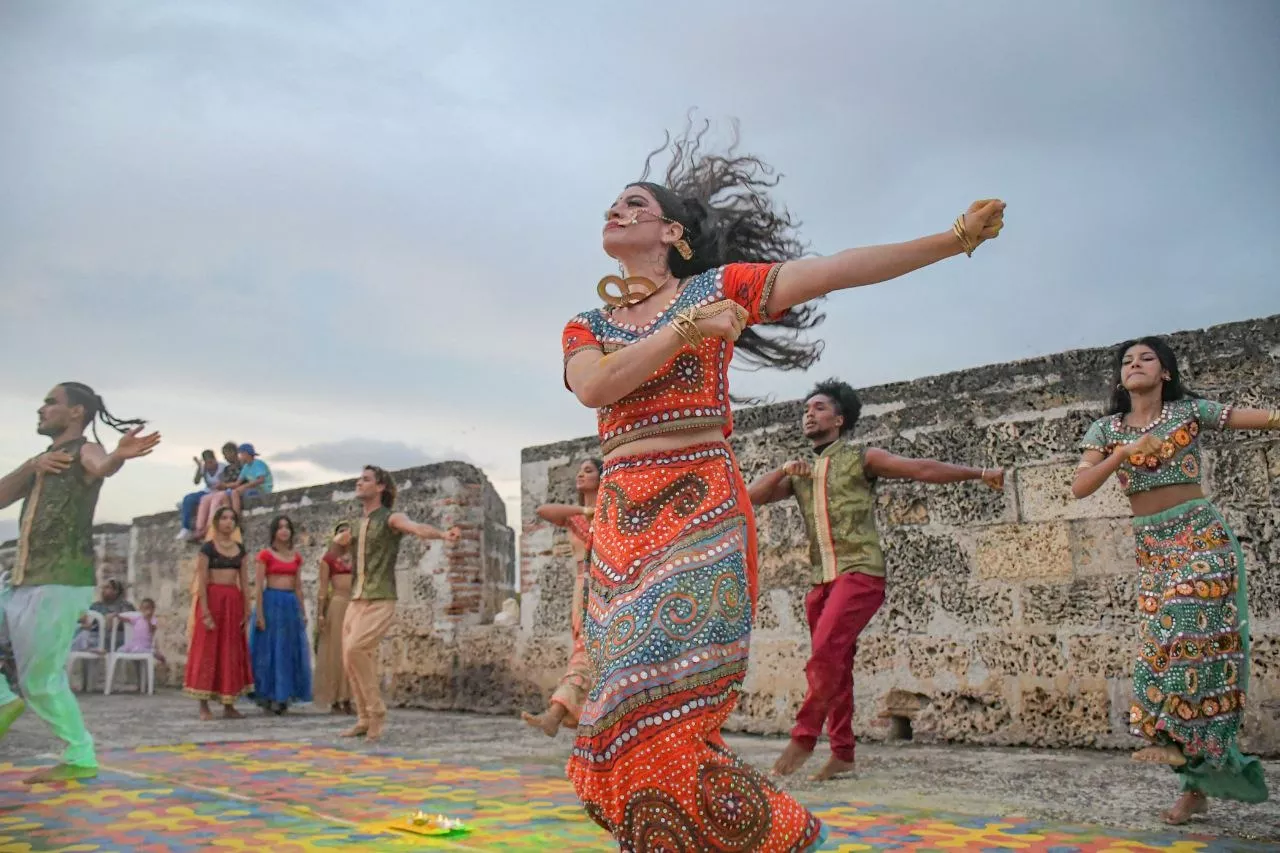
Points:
point(349, 455)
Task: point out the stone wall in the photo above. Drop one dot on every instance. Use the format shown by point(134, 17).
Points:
point(110, 543)
point(444, 591)
point(1010, 617)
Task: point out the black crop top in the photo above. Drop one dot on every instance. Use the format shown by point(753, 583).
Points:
point(217, 560)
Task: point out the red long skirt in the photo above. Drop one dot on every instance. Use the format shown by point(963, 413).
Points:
point(218, 659)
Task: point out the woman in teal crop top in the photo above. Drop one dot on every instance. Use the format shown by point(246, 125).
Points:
point(1191, 676)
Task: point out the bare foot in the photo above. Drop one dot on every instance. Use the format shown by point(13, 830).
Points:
point(792, 759)
point(60, 773)
point(229, 712)
point(205, 714)
point(358, 730)
point(548, 722)
point(1187, 805)
point(834, 768)
point(1169, 755)
point(376, 726)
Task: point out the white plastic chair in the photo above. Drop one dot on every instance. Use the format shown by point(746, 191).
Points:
point(115, 657)
point(89, 655)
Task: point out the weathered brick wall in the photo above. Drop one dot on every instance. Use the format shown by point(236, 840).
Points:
point(443, 591)
point(1010, 617)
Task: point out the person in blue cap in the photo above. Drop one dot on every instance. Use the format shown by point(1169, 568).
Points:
point(255, 477)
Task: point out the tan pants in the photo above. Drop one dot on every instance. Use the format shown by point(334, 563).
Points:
point(331, 685)
point(362, 630)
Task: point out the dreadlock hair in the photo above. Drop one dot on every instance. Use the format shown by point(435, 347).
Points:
point(388, 483)
point(723, 205)
point(79, 394)
point(845, 398)
point(1173, 389)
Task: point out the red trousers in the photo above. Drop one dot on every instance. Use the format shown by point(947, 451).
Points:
point(837, 613)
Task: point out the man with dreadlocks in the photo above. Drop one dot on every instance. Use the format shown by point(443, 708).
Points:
point(836, 494)
point(54, 575)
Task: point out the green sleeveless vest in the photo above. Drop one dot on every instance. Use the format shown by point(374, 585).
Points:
point(376, 548)
point(55, 538)
point(838, 504)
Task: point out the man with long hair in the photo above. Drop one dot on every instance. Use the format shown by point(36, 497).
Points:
point(836, 494)
point(375, 546)
point(54, 574)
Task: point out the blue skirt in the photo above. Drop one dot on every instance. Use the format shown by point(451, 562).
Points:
point(281, 659)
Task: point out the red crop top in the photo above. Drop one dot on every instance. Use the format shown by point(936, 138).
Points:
point(277, 566)
point(337, 565)
point(690, 391)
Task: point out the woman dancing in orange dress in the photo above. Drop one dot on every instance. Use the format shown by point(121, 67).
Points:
point(672, 575)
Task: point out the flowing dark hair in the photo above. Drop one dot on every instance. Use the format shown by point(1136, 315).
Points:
point(275, 527)
point(79, 394)
point(388, 483)
point(1173, 389)
point(599, 466)
point(845, 398)
point(722, 202)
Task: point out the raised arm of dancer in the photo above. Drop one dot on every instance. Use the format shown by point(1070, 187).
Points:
point(98, 463)
point(808, 278)
point(259, 584)
point(1095, 466)
point(199, 471)
point(202, 588)
point(1254, 419)
point(559, 514)
point(883, 464)
point(400, 521)
point(775, 485)
point(600, 380)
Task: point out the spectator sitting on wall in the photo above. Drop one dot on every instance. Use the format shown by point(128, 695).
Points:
point(219, 495)
point(113, 603)
point(255, 477)
point(209, 474)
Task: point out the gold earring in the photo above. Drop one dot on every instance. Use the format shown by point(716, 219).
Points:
point(683, 249)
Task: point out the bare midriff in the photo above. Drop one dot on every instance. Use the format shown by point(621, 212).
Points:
point(224, 577)
point(1165, 497)
point(668, 442)
point(281, 581)
point(341, 583)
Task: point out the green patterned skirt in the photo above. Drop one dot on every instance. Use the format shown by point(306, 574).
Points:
point(1192, 674)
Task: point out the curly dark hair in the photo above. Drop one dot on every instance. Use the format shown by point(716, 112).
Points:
point(1173, 389)
point(723, 205)
point(388, 483)
point(845, 398)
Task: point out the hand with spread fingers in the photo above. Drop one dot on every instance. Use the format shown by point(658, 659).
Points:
point(133, 445)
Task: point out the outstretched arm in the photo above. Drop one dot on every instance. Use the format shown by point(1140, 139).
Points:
point(100, 464)
point(775, 485)
point(1095, 466)
point(808, 278)
point(401, 522)
point(884, 464)
point(1253, 419)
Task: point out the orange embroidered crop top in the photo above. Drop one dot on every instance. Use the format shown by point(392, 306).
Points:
point(690, 391)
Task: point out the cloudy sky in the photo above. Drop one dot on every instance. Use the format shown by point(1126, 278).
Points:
point(352, 232)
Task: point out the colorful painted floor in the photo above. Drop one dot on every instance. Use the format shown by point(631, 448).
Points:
point(298, 797)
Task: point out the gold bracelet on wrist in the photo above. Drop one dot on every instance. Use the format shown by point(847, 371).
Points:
point(962, 234)
point(685, 326)
point(1273, 419)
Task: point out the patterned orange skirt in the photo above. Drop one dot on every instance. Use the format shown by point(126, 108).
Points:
point(671, 594)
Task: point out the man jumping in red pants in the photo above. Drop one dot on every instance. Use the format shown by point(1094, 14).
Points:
point(836, 494)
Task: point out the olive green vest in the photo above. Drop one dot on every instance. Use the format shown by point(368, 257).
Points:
point(376, 547)
point(838, 504)
point(55, 531)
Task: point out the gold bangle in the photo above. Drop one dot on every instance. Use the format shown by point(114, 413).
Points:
point(962, 234)
point(686, 327)
point(1273, 419)
point(1084, 464)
